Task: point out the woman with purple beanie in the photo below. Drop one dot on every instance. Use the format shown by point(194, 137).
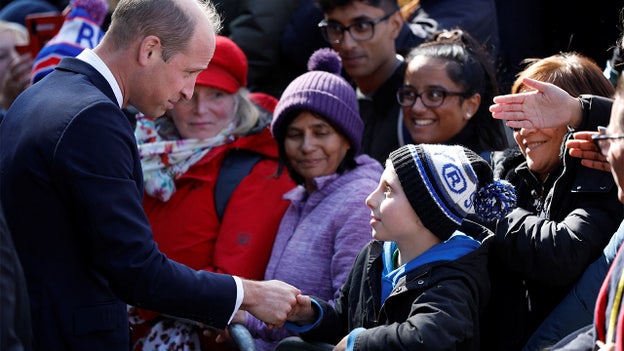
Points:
point(318, 130)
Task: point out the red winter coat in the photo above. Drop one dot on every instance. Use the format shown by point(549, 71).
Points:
point(188, 230)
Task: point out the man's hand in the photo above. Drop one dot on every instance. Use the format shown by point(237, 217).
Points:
point(270, 301)
point(548, 106)
point(239, 317)
point(583, 147)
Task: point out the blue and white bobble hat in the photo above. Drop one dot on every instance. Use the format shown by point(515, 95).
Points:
point(445, 183)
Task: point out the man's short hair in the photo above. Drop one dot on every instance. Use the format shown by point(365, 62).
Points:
point(386, 5)
point(165, 19)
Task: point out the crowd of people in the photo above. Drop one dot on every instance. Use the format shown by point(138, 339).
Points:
point(171, 181)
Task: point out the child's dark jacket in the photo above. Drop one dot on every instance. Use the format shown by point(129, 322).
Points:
point(434, 307)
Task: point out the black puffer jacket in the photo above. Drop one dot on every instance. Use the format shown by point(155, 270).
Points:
point(543, 246)
point(434, 307)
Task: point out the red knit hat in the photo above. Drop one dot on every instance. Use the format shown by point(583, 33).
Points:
point(228, 68)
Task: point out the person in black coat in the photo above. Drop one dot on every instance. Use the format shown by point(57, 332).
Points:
point(566, 212)
point(600, 150)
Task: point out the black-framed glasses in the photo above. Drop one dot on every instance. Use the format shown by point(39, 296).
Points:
point(602, 140)
point(333, 31)
point(431, 98)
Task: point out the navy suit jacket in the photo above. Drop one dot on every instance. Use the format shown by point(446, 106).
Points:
point(72, 194)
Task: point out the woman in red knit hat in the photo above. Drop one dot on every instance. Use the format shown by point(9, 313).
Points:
point(189, 156)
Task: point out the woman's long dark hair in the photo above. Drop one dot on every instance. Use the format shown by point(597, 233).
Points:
point(473, 70)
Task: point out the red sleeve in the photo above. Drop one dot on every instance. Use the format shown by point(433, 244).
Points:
point(250, 222)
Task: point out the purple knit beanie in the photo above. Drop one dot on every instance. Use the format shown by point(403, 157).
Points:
point(321, 90)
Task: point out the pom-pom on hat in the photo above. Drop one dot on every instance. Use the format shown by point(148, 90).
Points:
point(228, 68)
point(445, 183)
point(321, 90)
point(96, 9)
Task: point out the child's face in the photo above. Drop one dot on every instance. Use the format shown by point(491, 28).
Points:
point(392, 216)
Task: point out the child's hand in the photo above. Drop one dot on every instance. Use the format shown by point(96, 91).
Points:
point(342, 345)
point(302, 313)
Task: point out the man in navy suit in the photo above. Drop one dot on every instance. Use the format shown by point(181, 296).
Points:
point(72, 186)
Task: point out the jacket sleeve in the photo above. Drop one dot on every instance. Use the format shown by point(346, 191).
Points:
point(97, 163)
point(250, 222)
point(556, 253)
point(596, 112)
point(449, 304)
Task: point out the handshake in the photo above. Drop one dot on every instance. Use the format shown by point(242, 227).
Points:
point(275, 302)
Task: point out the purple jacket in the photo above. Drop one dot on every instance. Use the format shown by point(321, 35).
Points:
point(319, 237)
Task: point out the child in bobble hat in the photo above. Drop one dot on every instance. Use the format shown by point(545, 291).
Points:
point(422, 284)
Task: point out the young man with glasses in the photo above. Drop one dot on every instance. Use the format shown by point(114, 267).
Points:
point(363, 33)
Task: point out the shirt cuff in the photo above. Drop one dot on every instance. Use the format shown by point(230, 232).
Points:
point(240, 293)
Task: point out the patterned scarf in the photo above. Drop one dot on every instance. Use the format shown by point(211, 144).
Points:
point(165, 156)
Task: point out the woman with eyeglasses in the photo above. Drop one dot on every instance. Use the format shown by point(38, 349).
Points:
point(566, 212)
point(447, 89)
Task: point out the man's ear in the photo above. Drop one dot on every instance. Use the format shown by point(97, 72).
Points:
point(396, 20)
point(149, 49)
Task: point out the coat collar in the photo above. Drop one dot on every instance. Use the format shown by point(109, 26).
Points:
point(72, 64)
